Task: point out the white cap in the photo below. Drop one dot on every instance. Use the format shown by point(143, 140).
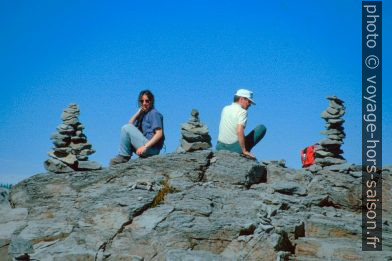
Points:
point(247, 94)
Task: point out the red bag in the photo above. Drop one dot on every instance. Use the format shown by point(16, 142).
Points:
point(307, 156)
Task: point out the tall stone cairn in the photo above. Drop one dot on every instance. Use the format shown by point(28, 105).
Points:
point(71, 149)
point(328, 152)
point(194, 134)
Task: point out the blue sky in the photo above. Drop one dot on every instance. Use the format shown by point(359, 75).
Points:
point(191, 54)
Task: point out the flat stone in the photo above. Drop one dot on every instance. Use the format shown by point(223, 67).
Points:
point(70, 159)
point(343, 168)
point(65, 129)
point(81, 157)
point(80, 134)
point(329, 142)
point(326, 115)
point(332, 111)
point(80, 126)
point(336, 137)
point(58, 136)
point(358, 167)
point(327, 161)
point(60, 143)
point(80, 146)
point(323, 154)
point(336, 105)
point(289, 188)
point(56, 166)
point(281, 163)
point(356, 174)
point(338, 127)
point(193, 137)
point(72, 108)
point(77, 139)
point(71, 121)
point(62, 150)
point(314, 168)
point(187, 146)
point(65, 116)
point(88, 165)
point(335, 98)
point(332, 132)
point(202, 130)
point(335, 121)
point(86, 152)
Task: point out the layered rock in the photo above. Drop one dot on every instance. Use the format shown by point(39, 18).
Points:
point(328, 151)
point(194, 135)
point(71, 149)
point(201, 205)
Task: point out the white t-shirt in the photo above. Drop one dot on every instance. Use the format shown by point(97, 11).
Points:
point(231, 116)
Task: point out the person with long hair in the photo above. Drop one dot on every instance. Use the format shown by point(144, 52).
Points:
point(143, 134)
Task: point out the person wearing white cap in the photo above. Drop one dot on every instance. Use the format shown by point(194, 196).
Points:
point(233, 122)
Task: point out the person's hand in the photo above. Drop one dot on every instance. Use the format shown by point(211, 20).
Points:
point(247, 153)
point(137, 115)
point(141, 150)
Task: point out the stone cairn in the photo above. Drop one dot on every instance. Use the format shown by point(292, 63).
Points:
point(194, 135)
point(328, 151)
point(71, 149)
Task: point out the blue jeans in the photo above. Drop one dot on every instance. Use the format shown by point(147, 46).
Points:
point(250, 140)
point(132, 139)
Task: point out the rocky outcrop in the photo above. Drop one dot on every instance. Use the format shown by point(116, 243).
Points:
point(201, 205)
point(71, 149)
point(328, 151)
point(194, 135)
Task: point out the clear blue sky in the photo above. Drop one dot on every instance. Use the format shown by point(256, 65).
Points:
point(191, 54)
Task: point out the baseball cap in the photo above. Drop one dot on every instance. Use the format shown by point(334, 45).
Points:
point(245, 93)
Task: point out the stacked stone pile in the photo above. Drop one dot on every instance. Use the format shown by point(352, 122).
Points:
point(194, 134)
point(71, 149)
point(328, 151)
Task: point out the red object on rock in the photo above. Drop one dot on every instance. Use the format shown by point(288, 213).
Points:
point(307, 156)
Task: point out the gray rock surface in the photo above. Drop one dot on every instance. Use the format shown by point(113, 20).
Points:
point(200, 205)
point(194, 135)
point(71, 149)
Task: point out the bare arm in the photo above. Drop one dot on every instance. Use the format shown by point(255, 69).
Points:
point(135, 116)
point(157, 136)
point(241, 140)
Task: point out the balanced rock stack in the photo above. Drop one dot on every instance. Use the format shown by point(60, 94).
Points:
point(71, 149)
point(194, 134)
point(328, 152)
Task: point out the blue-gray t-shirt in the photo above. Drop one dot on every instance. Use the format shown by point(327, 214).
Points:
point(148, 122)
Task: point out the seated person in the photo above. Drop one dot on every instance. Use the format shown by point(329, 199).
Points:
point(233, 122)
point(144, 132)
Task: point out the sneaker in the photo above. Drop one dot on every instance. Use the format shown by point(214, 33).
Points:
point(119, 159)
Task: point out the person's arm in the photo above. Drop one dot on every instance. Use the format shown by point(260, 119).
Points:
point(157, 136)
point(241, 140)
point(135, 116)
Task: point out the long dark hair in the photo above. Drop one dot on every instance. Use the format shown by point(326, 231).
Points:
point(149, 95)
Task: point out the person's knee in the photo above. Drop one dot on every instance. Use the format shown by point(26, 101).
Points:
point(261, 129)
point(124, 127)
point(127, 128)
